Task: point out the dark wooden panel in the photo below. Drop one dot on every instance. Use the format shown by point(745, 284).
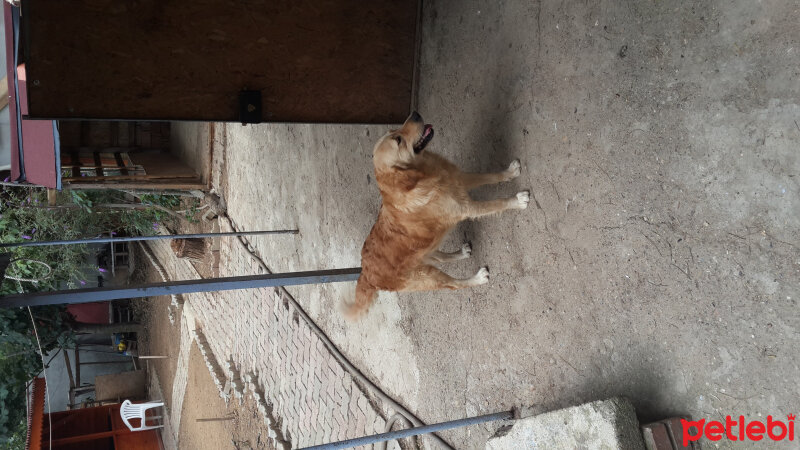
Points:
point(130, 385)
point(113, 135)
point(339, 61)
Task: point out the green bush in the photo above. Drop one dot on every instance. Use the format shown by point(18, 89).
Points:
point(17, 438)
point(23, 217)
point(20, 359)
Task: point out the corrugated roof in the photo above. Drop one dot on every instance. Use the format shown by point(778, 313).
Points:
point(36, 415)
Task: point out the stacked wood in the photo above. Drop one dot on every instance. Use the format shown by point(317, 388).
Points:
point(193, 249)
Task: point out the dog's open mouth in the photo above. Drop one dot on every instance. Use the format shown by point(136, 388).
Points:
point(426, 137)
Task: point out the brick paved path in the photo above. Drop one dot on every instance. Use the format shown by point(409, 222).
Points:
point(255, 339)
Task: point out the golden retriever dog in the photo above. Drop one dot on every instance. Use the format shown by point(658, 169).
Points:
point(424, 197)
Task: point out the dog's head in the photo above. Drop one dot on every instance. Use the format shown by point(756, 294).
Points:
point(398, 148)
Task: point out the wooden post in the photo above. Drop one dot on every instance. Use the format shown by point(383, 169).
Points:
point(4, 92)
point(51, 197)
point(77, 367)
point(69, 370)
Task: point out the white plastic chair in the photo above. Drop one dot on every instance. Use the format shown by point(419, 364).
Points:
point(130, 411)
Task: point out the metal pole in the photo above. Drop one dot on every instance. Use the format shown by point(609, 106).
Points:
point(143, 238)
point(73, 296)
point(116, 361)
point(375, 438)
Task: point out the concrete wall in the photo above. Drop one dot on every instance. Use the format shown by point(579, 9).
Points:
point(58, 379)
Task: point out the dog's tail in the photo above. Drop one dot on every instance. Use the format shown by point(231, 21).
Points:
point(365, 295)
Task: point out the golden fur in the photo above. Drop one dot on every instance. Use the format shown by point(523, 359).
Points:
point(424, 197)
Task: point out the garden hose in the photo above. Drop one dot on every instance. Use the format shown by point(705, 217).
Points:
point(31, 280)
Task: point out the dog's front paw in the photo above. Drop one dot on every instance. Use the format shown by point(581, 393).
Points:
point(513, 169)
point(482, 277)
point(466, 250)
point(523, 198)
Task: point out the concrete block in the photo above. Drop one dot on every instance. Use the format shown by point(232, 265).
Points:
point(601, 425)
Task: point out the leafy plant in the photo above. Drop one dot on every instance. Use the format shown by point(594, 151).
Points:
point(24, 217)
point(167, 201)
point(20, 359)
point(17, 437)
point(82, 199)
point(87, 214)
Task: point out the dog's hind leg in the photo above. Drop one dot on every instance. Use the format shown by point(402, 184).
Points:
point(474, 210)
point(474, 180)
point(438, 256)
point(427, 278)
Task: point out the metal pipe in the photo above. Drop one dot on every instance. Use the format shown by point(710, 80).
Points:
point(73, 296)
point(116, 361)
point(143, 238)
point(375, 438)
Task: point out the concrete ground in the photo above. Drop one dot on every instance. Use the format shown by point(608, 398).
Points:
point(659, 258)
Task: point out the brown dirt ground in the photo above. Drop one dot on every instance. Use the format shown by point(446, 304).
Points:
point(240, 427)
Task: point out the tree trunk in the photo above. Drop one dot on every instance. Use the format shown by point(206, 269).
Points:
point(107, 328)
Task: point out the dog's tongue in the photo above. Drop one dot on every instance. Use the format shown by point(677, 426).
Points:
point(427, 135)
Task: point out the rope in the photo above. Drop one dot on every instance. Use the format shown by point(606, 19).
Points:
point(388, 427)
point(32, 280)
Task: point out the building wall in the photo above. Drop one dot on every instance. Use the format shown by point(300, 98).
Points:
point(58, 379)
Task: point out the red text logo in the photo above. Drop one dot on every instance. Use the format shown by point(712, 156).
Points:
point(738, 430)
